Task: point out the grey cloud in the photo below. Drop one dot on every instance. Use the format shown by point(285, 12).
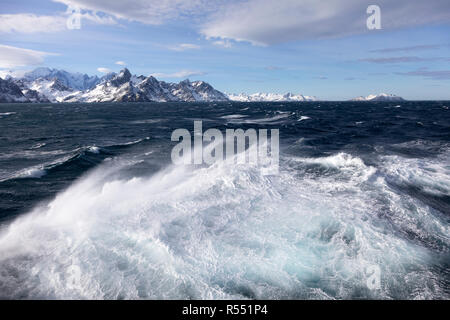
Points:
point(145, 11)
point(264, 22)
point(401, 59)
point(270, 22)
point(435, 75)
point(353, 78)
point(408, 49)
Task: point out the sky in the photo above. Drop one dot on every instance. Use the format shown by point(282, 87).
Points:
point(317, 48)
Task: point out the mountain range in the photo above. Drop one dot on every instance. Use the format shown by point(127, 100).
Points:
point(53, 85)
point(258, 97)
point(379, 97)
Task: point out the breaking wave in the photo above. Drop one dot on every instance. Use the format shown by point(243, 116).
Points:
point(230, 231)
point(81, 158)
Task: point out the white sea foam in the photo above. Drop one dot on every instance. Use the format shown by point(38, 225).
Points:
point(273, 119)
point(38, 145)
point(430, 175)
point(36, 172)
point(4, 114)
point(135, 141)
point(223, 231)
point(234, 116)
point(94, 149)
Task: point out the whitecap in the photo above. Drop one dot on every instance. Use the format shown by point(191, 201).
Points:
point(5, 114)
point(218, 232)
point(94, 149)
point(234, 116)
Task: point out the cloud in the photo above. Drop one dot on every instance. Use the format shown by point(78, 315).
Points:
point(321, 77)
point(408, 49)
point(13, 57)
point(145, 11)
point(183, 47)
point(425, 73)
point(264, 22)
point(31, 23)
point(223, 43)
point(400, 59)
point(393, 59)
point(97, 19)
point(269, 22)
point(103, 70)
point(179, 74)
point(12, 73)
point(121, 63)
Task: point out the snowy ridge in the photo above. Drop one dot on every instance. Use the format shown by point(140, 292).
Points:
point(51, 85)
point(379, 97)
point(75, 80)
point(125, 87)
point(260, 97)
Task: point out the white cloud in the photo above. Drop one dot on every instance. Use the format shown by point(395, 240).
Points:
point(264, 22)
point(184, 47)
point(31, 23)
point(268, 22)
point(103, 70)
point(121, 63)
point(223, 43)
point(13, 57)
point(97, 19)
point(145, 11)
point(179, 74)
point(12, 73)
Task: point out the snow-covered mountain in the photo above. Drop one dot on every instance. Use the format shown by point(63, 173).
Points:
point(259, 97)
point(11, 92)
point(75, 80)
point(51, 85)
point(379, 97)
point(125, 87)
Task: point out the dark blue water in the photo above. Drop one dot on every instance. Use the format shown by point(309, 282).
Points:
point(91, 207)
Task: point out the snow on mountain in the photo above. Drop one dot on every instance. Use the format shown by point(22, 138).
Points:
point(11, 92)
point(53, 90)
point(75, 80)
point(119, 88)
point(379, 97)
point(193, 91)
point(259, 97)
point(52, 85)
point(125, 87)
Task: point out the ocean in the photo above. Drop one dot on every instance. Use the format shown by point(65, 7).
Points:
point(91, 206)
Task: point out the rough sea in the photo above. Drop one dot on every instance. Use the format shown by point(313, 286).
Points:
point(91, 206)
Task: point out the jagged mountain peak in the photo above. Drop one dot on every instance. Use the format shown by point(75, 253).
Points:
point(125, 73)
point(62, 86)
point(11, 92)
point(58, 85)
point(73, 80)
point(122, 77)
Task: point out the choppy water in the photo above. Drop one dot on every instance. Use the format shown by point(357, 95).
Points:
point(91, 207)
